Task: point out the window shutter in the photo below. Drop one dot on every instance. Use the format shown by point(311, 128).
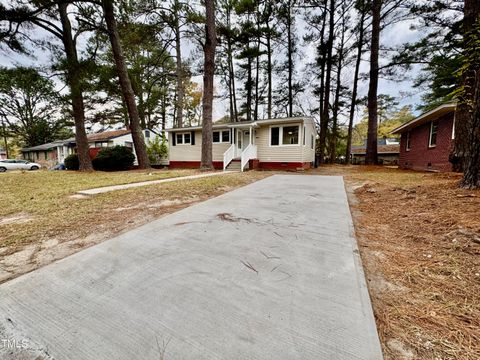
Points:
point(174, 138)
point(192, 138)
point(231, 136)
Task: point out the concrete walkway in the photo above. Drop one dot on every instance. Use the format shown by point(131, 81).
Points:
point(268, 271)
point(105, 189)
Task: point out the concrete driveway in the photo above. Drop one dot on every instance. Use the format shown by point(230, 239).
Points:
point(268, 271)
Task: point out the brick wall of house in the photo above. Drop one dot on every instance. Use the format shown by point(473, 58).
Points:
point(421, 156)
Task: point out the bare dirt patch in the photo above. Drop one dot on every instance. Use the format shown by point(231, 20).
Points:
point(62, 225)
point(20, 218)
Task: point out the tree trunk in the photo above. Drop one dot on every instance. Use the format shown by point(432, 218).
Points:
point(269, 72)
point(179, 68)
point(125, 84)
point(209, 70)
point(74, 81)
point(290, 60)
point(467, 117)
point(336, 106)
point(371, 155)
point(249, 89)
point(257, 69)
point(234, 91)
point(328, 78)
point(322, 60)
point(355, 86)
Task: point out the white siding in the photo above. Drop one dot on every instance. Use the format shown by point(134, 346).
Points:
point(187, 152)
point(267, 153)
point(308, 154)
point(122, 140)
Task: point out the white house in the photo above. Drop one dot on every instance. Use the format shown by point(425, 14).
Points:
point(287, 143)
point(55, 152)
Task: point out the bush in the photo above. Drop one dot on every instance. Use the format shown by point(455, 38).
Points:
point(71, 162)
point(114, 159)
point(157, 150)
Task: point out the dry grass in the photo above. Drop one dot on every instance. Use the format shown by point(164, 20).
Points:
point(47, 214)
point(419, 237)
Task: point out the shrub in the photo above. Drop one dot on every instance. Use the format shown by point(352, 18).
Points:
point(157, 150)
point(114, 158)
point(71, 162)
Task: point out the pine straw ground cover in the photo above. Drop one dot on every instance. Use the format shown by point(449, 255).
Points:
point(419, 237)
point(41, 222)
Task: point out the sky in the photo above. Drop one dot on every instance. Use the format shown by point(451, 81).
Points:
point(396, 34)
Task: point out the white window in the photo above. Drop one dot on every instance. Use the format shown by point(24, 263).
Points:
point(183, 138)
point(433, 134)
point(407, 142)
point(221, 136)
point(284, 135)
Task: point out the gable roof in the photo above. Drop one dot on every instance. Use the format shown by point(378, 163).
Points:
point(381, 149)
point(107, 135)
point(246, 123)
point(101, 136)
point(426, 117)
point(48, 146)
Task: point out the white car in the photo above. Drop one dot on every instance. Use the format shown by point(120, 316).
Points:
point(10, 164)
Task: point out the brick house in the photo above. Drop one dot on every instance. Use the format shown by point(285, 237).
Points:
point(55, 152)
point(427, 140)
point(388, 151)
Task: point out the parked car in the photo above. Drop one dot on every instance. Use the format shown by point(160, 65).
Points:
point(10, 164)
point(58, 167)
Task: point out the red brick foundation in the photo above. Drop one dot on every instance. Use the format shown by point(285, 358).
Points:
point(253, 165)
point(283, 165)
point(192, 165)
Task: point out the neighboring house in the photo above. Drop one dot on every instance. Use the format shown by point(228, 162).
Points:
point(50, 154)
point(287, 143)
point(3, 154)
point(55, 152)
point(426, 141)
point(388, 154)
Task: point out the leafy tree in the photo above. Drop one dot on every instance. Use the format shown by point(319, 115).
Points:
point(157, 149)
point(362, 8)
point(193, 104)
point(18, 22)
point(150, 68)
point(125, 84)
point(438, 51)
point(29, 105)
point(385, 128)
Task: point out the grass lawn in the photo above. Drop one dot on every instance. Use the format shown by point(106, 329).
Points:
point(40, 221)
point(418, 233)
point(419, 238)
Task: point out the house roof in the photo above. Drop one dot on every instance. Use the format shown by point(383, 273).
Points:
point(381, 149)
point(107, 135)
point(246, 123)
point(426, 117)
point(48, 146)
point(101, 136)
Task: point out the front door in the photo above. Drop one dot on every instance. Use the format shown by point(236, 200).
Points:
point(242, 140)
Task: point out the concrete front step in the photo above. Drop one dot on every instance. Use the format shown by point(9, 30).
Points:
point(234, 165)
